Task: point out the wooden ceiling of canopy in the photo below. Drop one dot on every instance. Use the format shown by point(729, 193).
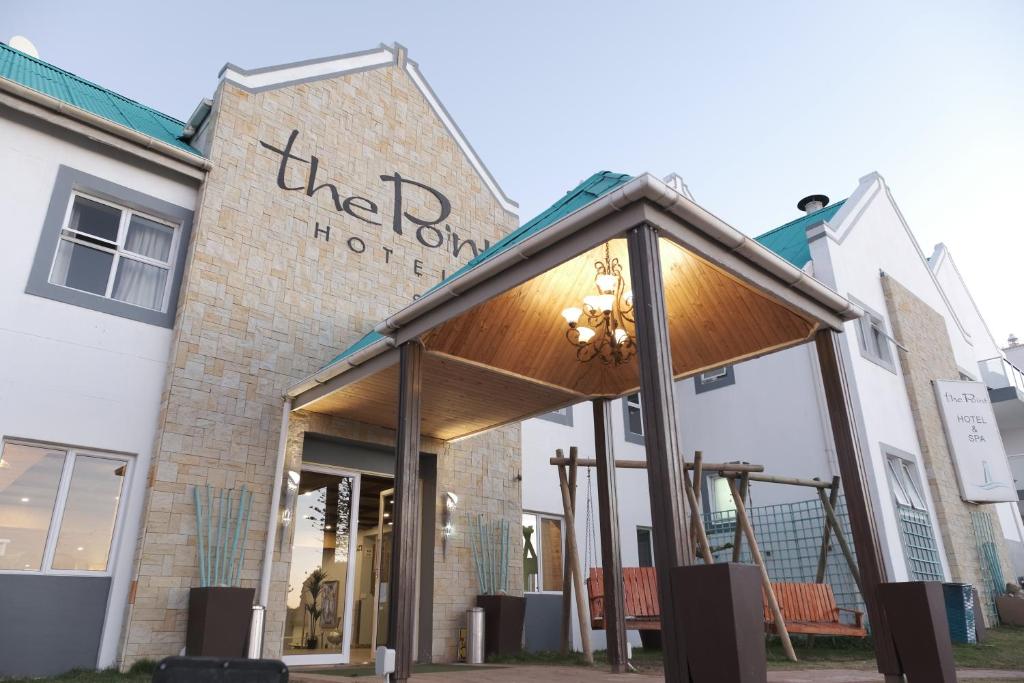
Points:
point(459, 398)
point(714, 319)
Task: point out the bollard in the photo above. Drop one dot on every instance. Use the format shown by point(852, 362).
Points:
point(255, 649)
point(475, 635)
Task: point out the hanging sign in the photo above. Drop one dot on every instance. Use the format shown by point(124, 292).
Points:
point(974, 442)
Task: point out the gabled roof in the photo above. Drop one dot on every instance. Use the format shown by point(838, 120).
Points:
point(62, 85)
point(790, 240)
point(590, 189)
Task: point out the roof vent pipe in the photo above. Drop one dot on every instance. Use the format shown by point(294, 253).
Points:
point(812, 203)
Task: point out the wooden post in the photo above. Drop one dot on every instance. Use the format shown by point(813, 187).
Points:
point(697, 522)
point(574, 562)
point(698, 474)
point(833, 498)
point(737, 538)
point(611, 555)
point(830, 517)
point(858, 501)
point(402, 624)
point(566, 566)
point(743, 523)
point(665, 464)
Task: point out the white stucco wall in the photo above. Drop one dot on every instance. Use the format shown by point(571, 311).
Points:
point(541, 492)
point(74, 376)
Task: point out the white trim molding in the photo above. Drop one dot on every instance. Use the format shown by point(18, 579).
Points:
point(283, 75)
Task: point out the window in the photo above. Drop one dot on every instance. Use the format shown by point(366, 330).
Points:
point(114, 252)
point(904, 484)
point(645, 546)
point(714, 379)
point(562, 416)
point(111, 249)
point(58, 508)
point(633, 419)
point(542, 552)
point(875, 342)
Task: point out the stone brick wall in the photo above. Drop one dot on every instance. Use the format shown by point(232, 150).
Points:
point(270, 296)
point(923, 330)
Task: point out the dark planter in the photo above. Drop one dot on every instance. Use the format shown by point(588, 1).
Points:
point(916, 613)
point(218, 621)
point(503, 624)
point(718, 609)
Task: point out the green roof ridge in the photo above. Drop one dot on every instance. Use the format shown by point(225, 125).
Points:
point(56, 73)
point(790, 239)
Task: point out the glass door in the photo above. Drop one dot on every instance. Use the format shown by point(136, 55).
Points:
point(382, 569)
point(318, 623)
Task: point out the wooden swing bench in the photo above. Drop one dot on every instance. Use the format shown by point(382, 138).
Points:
point(810, 608)
point(807, 608)
point(640, 596)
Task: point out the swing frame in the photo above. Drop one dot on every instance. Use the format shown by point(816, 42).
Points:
point(739, 476)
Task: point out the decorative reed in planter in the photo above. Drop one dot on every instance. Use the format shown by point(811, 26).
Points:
point(219, 610)
point(503, 613)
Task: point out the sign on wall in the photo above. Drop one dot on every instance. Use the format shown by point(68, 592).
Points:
point(974, 442)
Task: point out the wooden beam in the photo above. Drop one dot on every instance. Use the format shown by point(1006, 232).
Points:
point(407, 505)
point(743, 524)
point(792, 481)
point(567, 566)
point(642, 465)
point(833, 498)
point(698, 474)
point(849, 453)
point(574, 562)
point(737, 539)
point(665, 462)
point(833, 521)
point(611, 552)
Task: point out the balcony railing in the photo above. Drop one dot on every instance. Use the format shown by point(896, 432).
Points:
point(999, 373)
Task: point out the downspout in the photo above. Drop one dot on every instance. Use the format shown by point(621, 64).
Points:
point(259, 609)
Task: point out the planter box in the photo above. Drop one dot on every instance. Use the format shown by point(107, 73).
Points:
point(718, 611)
point(218, 621)
point(503, 624)
point(916, 613)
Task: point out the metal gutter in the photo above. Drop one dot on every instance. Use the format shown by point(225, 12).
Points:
point(123, 132)
point(645, 187)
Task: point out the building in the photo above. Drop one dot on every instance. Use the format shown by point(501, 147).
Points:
point(922, 326)
point(168, 281)
point(180, 293)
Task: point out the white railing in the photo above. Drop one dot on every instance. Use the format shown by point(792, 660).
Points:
point(999, 373)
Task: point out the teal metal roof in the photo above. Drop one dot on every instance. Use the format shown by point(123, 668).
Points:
point(790, 240)
point(590, 189)
point(47, 79)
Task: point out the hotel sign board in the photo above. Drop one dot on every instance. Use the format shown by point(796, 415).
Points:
point(974, 442)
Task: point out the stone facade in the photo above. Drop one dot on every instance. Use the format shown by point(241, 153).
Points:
point(287, 268)
point(923, 330)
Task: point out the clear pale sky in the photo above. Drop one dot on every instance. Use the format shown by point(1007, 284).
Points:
point(755, 104)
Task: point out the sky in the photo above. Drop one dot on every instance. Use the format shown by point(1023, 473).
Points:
point(755, 104)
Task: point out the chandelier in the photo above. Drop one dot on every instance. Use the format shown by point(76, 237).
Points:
point(604, 326)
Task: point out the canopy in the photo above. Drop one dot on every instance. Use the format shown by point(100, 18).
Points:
point(495, 342)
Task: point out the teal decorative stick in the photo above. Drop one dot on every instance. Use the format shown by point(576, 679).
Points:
point(245, 533)
point(199, 537)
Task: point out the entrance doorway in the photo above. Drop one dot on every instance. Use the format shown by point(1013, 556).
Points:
point(339, 568)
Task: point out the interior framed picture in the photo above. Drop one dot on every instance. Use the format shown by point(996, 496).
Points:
point(329, 605)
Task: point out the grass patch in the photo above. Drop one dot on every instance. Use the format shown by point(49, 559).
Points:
point(1002, 649)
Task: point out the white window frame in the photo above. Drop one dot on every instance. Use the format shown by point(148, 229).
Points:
point(873, 338)
point(538, 543)
point(60, 503)
point(650, 536)
point(117, 249)
point(906, 486)
point(632, 401)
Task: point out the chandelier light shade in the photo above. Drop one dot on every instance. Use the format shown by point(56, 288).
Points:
point(603, 327)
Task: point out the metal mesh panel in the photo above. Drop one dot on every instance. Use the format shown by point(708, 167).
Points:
point(789, 536)
point(988, 555)
point(919, 544)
